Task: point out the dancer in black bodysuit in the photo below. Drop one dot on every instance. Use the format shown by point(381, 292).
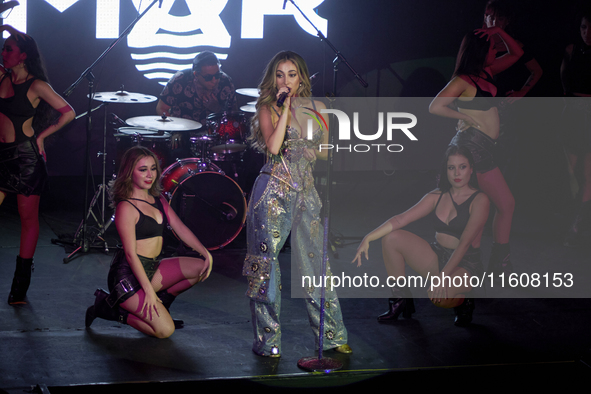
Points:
point(142, 286)
point(479, 126)
point(459, 211)
point(26, 100)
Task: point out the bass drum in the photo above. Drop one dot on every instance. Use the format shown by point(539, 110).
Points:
point(210, 204)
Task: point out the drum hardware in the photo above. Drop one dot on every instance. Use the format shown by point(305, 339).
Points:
point(84, 239)
point(81, 239)
point(228, 131)
point(199, 145)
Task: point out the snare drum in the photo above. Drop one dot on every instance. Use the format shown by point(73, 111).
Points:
point(127, 137)
point(212, 205)
point(229, 131)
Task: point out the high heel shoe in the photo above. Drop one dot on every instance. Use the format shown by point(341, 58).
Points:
point(404, 304)
point(167, 300)
point(345, 349)
point(102, 309)
point(464, 312)
point(21, 281)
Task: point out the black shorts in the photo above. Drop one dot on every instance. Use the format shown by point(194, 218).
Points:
point(480, 145)
point(22, 168)
point(471, 262)
point(122, 282)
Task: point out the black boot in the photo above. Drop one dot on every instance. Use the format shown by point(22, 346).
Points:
point(500, 261)
point(21, 280)
point(167, 300)
point(103, 310)
point(573, 237)
point(403, 303)
point(464, 312)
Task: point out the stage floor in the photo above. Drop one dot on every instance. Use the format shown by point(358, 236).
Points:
point(44, 343)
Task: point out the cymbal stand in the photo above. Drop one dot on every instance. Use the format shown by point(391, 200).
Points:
point(82, 239)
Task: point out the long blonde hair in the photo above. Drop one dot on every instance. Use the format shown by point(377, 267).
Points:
point(268, 92)
point(121, 187)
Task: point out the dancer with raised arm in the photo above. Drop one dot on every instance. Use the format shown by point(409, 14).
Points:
point(27, 102)
point(469, 97)
point(284, 199)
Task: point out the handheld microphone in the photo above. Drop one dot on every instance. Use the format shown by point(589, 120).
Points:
point(282, 98)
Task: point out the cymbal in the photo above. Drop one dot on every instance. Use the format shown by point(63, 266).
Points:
point(248, 108)
point(123, 97)
point(164, 123)
point(251, 92)
point(8, 5)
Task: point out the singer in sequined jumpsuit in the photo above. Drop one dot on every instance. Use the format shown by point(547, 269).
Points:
point(284, 199)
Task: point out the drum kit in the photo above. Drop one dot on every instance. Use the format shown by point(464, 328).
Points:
point(192, 157)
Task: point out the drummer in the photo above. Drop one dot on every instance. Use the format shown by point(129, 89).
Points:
point(198, 92)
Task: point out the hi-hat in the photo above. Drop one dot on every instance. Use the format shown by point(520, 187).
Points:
point(250, 92)
point(123, 97)
point(7, 6)
point(164, 123)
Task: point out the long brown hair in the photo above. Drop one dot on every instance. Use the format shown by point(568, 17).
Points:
point(121, 187)
point(268, 92)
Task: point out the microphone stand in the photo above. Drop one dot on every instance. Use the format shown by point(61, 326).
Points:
point(320, 363)
point(82, 241)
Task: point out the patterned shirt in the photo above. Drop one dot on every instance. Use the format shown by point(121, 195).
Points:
point(180, 94)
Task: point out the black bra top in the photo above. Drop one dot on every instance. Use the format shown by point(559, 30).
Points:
point(147, 226)
point(483, 101)
point(17, 107)
point(456, 226)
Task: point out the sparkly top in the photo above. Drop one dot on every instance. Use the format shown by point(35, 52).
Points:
point(290, 165)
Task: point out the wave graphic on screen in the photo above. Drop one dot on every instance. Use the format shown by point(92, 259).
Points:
point(164, 42)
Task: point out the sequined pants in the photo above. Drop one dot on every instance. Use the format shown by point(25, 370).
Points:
point(275, 209)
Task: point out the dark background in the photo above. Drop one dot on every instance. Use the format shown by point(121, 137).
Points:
point(401, 47)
